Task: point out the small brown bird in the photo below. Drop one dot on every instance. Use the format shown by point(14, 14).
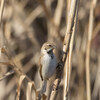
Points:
point(48, 64)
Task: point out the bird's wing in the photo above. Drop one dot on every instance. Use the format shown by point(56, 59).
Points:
point(40, 69)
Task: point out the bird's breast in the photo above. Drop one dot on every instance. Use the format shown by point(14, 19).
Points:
point(49, 65)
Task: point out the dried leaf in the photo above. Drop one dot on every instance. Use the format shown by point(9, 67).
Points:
point(22, 77)
point(29, 90)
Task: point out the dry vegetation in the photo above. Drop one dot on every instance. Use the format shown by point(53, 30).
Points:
point(72, 25)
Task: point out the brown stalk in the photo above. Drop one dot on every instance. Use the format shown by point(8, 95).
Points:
point(26, 69)
point(28, 94)
point(90, 30)
point(67, 68)
point(1, 24)
point(67, 39)
point(1, 10)
point(21, 79)
point(29, 91)
point(6, 75)
point(17, 70)
point(67, 9)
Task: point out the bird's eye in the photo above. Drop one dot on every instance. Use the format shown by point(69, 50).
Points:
point(45, 49)
point(50, 45)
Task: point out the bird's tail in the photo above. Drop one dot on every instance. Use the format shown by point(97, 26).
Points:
point(44, 85)
point(43, 89)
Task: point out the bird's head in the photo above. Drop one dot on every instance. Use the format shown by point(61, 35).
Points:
point(47, 48)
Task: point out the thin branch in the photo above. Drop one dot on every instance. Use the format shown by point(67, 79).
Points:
point(70, 25)
point(1, 23)
point(88, 87)
point(68, 2)
point(1, 10)
point(6, 75)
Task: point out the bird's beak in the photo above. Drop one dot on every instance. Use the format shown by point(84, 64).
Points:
point(54, 47)
point(50, 49)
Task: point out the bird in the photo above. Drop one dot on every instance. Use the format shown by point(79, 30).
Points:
point(48, 63)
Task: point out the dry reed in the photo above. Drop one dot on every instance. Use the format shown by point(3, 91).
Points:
point(26, 25)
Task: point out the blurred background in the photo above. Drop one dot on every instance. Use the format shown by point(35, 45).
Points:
point(27, 24)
